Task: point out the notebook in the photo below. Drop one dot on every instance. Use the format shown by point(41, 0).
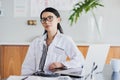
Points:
point(95, 59)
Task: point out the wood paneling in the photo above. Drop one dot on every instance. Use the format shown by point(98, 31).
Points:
point(12, 58)
point(114, 52)
point(83, 49)
point(0, 62)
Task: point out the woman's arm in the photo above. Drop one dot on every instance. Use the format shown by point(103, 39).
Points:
point(28, 66)
point(75, 57)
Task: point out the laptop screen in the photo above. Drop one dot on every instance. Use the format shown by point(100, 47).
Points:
point(96, 56)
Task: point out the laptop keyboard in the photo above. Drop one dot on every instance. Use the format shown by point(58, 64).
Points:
point(79, 72)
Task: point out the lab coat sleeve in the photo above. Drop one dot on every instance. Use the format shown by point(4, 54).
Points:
point(76, 57)
point(28, 66)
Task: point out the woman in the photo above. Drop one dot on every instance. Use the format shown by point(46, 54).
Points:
point(61, 50)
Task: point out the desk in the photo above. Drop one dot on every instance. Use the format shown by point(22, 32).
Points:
point(106, 75)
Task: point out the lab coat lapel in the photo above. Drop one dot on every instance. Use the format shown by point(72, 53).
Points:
point(57, 41)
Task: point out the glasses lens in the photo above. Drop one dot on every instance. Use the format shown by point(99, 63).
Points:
point(49, 18)
point(43, 20)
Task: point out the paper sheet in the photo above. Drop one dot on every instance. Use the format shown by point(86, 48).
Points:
point(39, 78)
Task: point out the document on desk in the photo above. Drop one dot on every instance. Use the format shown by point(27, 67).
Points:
point(31, 78)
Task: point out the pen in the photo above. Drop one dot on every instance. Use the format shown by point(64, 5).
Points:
point(24, 78)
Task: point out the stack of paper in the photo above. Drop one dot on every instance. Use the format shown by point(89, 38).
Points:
point(31, 78)
point(38, 78)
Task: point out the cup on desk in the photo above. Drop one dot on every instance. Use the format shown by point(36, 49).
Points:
point(115, 63)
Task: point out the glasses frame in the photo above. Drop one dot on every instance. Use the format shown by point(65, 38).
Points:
point(49, 19)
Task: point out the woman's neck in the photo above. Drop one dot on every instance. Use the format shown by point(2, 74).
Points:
point(50, 37)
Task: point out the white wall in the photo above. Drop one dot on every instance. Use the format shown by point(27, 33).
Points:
point(13, 29)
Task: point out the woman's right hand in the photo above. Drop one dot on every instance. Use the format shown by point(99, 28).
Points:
point(55, 66)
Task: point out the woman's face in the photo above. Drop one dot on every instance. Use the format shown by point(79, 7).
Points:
point(49, 21)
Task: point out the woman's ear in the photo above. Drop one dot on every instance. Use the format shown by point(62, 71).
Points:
point(59, 19)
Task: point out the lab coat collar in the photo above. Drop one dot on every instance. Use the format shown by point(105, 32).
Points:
point(56, 41)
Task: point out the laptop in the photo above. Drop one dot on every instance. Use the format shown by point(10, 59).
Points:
point(95, 60)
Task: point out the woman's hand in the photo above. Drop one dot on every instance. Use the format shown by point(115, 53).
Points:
point(55, 66)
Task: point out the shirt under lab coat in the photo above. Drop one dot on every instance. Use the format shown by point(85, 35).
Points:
point(61, 48)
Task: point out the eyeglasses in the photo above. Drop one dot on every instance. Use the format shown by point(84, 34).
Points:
point(49, 18)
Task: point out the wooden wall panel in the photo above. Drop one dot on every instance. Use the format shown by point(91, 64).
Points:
point(0, 62)
point(83, 49)
point(13, 57)
point(114, 52)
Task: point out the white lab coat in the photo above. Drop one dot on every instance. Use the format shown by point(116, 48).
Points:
point(61, 47)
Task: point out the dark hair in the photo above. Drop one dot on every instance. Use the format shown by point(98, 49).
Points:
point(55, 12)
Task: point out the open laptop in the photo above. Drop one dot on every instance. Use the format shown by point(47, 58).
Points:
point(96, 58)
